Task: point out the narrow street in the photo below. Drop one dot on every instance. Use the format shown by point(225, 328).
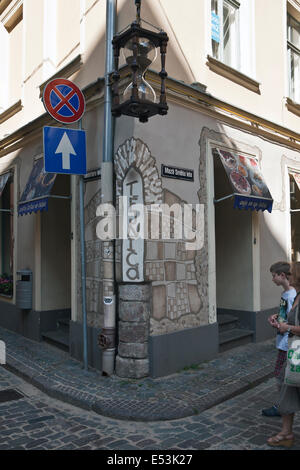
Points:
point(38, 422)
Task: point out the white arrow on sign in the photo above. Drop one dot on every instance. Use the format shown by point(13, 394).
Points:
point(66, 149)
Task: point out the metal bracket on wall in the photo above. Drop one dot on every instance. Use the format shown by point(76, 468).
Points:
point(60, 197)
point(223, 198)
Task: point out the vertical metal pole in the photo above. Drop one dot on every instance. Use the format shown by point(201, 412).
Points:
point(83, 274)
point(108, 118)
point(109, 310)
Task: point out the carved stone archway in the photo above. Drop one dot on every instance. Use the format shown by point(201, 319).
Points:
point(134, 158)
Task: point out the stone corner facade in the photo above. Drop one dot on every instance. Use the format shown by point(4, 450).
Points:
point(132, 360)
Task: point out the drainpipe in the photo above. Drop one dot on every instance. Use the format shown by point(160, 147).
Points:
point(107, 338)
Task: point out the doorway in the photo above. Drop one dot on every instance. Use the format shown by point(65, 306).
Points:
point(56, 264)
point(234, 264)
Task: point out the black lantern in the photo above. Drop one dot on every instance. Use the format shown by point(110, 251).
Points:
point(139, 47)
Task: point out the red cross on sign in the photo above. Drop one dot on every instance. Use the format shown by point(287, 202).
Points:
point(63, 100)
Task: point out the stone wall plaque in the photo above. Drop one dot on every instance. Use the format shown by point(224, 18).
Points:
point(133, 226)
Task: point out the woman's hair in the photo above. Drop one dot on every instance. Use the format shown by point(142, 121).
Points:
point(295, 268)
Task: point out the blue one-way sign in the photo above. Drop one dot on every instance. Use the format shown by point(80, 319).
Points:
point(64, 151)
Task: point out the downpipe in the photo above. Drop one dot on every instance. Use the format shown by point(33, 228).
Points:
point(107, 338)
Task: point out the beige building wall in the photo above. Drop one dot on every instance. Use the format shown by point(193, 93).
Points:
point(67, 37)
point(53, 33)
point(264, 47)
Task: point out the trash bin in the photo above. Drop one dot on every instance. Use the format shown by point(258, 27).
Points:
point(24, 289)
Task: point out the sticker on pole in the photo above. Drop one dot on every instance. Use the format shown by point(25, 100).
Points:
point(64, 100)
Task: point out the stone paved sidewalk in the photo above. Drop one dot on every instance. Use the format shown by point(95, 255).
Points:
point(38, 422)
point(186, 393)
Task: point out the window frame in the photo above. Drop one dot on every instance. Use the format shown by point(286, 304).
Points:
point(11, 16)
point(235, 61)
point(294, 93)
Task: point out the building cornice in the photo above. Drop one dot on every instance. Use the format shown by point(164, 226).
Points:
point(231, 74)
point(64, 72)
point(292, 106)
point(29, 131)
point(11, 16)
point(197, 99)
point(293, 7)
point(11, 111)
point(3, 5)
point(190, 96)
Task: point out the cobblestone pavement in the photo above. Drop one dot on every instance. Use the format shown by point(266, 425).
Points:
point(37, 421)
point(185, 393)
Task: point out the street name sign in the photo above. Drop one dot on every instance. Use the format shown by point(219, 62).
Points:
point(168, 171)
point(64, 150)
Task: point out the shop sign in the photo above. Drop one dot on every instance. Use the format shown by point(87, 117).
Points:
point(249, 187)
point(133, 228)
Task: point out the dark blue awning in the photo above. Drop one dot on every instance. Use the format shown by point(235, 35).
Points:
point(37, 191)
point(250, 191)
point(252, 203)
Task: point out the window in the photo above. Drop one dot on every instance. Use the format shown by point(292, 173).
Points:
point(225, 15)
point(293, 47)
point(15, 28)
point(232, 36)
point(11, 31)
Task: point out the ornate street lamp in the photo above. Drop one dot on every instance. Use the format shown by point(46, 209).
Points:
point(139, 48)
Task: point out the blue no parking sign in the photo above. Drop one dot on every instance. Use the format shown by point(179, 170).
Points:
point(64, 150)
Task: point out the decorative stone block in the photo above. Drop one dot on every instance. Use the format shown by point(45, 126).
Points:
point(171, 198)
point(159, 302)
point(170, 270)
point(133, 332)
point(135, 292)
point(135, 152)
point(195, 301)
point(132, 368)
point(152, 251)
point(170, 250)
point(154, 271)
point(171, 289)
point(133, 350)
point(134, 311)
point(108, 270)
point(118, 270)
point(160, 250)
point(93, 269)
point(180, 271)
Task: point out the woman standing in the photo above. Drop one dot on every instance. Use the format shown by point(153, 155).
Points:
point(289, 399)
